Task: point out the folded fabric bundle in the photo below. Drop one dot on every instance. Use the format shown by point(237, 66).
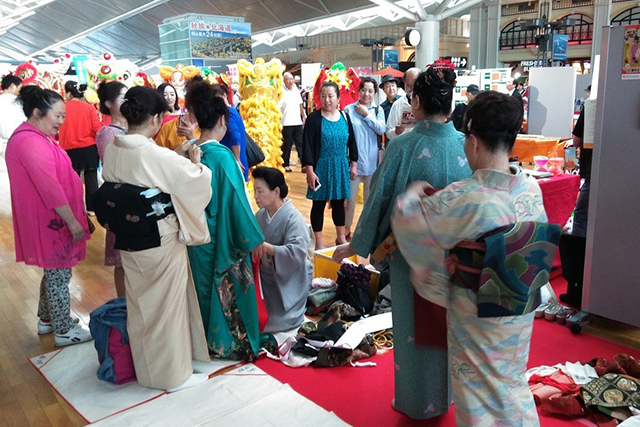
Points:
point(620, 364)
point(557, 394)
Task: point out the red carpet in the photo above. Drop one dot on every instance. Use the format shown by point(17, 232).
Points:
point(362, 396)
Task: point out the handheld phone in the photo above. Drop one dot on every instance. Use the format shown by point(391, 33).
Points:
point(317, 186)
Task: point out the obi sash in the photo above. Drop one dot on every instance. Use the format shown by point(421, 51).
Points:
point(132, 214)
point(506, 267)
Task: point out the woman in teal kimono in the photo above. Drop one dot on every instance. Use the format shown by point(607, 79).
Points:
point(433, 151)
point(222, 269)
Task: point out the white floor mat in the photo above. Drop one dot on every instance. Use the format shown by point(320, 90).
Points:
point(72, 372)
point(244, 397)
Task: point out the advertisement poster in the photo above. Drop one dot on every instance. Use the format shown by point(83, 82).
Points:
point(213, 40)
point(391, 58)
point(631, 53)
point(560, 45)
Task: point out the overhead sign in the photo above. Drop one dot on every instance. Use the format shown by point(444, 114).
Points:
point(220, 40)
point(560, 45)
point(391, 58)
point(458, 61)
point(529, 64)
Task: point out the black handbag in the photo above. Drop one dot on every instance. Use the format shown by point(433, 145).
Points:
point(255, 155)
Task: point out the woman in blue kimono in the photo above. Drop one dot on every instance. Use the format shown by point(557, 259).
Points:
point(433, 151)
point(222, 269)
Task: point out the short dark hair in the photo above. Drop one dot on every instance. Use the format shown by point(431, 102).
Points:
point(333, 85)
point(220, 90)
point(77, 91)
point(109, 92)
point(140, 104)
point(162, 87)
point(494, 118)
point(273, 177)
point(515, 82)
point(9, 80)
point(434, 88)
point(204, 102)
point(368, 80)
point(33, 97)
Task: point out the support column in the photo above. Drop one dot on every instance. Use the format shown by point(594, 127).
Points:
point(477, 38)
point(601, 18)
point(494, 11)
point(429, 48)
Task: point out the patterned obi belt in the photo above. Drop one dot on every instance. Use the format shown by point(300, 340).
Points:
point(132, 214)
point(506, 267)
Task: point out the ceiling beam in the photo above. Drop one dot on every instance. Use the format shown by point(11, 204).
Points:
point(270, 12)
point(441, 7)
point(420, 10)
point(397, 8)
point(460, 7)
point(95, 29)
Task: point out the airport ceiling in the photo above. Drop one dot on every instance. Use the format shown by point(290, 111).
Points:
point(44, 29)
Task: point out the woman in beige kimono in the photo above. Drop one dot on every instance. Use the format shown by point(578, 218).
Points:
point(164, 322)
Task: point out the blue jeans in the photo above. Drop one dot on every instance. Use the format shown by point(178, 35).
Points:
point(581, 211)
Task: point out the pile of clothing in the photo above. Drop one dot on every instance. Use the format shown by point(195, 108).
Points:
point(315, 342)
point(608, 391)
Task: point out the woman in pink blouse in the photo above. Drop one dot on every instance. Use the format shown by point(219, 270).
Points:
point(49, 220)
point(111, 97)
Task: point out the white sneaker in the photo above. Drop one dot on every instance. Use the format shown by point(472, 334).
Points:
point(47, 327)
point(75, 335)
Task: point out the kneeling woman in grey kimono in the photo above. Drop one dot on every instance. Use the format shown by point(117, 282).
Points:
point(285, 270)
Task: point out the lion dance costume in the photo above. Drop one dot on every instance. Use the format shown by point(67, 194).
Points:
point(260, 86)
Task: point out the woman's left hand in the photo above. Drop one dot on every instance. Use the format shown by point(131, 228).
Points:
point(353, 173)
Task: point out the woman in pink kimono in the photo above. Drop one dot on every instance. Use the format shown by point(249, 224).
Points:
point(49, 220)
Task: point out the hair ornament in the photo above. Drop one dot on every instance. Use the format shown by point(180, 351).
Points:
point(469, 125)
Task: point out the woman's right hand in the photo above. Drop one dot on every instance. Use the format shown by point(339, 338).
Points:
point(76, 230)
point(311, 178)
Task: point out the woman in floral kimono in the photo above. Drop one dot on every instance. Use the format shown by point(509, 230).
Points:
point(488, 352)
point(222, 268)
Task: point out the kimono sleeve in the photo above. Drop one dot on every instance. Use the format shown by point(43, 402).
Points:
point(237, 230)
point(290, 257)
point(426, 228)
point(190, 195)
point(374, 222)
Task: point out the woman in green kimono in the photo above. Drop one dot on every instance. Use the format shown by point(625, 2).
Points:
point(222, 269)
point(434, 151)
